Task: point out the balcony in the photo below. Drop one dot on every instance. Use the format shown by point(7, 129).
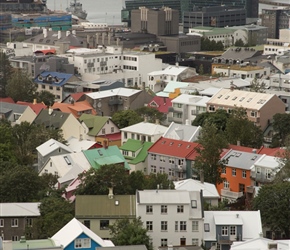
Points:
point(227, 193)
point(116, 102)
point(170, 109)
point(228, 240)
point(179, 168)
point(262, 177)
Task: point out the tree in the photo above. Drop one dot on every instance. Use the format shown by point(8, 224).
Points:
point(281, 127)
point(151, 113)
point(208, 164)
point(273, 201)
point(219, 46)
point(239, 43)
point(55, 212)
point(154, 181)
point(248, 135)
point(137, 181)
point(19, 184)
point(20, 87)
point(46, 97)
point(200, 69)
point(257, 86)
point(99, 181)
point(125, 232)
point(126, 118)
point(5, 73)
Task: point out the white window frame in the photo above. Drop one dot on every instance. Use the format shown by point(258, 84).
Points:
point(195, 242)
point(244, 174)
point(226, 184)
point(182, 226)
point(149, 226)
point(14, 222)
point(1, 222)
point(149, 209)
point(163, 209)
point(206, 227)
point(164, 226)
point(234, 172)
point(195, 226)
point(225, 230)
point(180, 208)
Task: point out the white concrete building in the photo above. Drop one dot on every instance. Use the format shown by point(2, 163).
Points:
point(112, 63)
point(186, 107)
point(278, 46)
point(183, 132)
point(280, 82)
point(172, 217)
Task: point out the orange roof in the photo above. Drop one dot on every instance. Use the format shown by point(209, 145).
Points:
point(46, 51)
point(77, 96)
point(77, 107)
point(279, 152)
point(36, 107)
point(242, 148)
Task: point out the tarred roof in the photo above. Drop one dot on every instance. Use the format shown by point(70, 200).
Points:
point(177, 148)
point(7, 99)
point(112, 137)
point(160, 103)
point(36, 107)
point(46, 51)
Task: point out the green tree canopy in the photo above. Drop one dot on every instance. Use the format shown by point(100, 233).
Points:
point(239, 43)
point(208, 162)
point(258, 86)
point(211, 45)
point(273, 201)
point(5, 73)
point(46, 97)
point(20, 87)
point(281, 127)
point(158, 180)
point(125, 232)
point(126, 118)
point(151, 114)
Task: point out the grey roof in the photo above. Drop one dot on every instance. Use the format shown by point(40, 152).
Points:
point(8, 109)
point(56, 119)
point(52, 39)
point(19, 209)
point(240, 159)
point(182, 132)
point(132, 247)
point(242, 54)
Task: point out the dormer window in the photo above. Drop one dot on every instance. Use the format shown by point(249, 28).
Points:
point(40, 78)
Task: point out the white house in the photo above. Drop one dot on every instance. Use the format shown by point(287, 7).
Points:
point(222, 228)
point(143, 131)
point(158, 79)
point(183, 132)
point(261, 244)
point(186, 107)
point(172, 217)
point(209, 191)
point(280, 82)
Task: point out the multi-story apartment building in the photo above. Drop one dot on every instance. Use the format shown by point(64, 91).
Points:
point(173, 157)
point(186, 107)
point(172, 217)
point(260, 107)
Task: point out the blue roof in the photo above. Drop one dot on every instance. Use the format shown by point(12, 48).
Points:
point(53, 78)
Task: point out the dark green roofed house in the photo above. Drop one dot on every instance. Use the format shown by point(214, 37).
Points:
point(97, 212)
point(135, 152)
point(103, 129)
point(107, 155)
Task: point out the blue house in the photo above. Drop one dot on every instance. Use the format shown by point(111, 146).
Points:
point(74, 235)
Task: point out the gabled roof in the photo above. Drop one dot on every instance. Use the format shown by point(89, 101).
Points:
point(191, 100)
point(145, 128)
point(209, 190)
point(20, 209)
point(8, 109)
point(50, 146)
point(74, 96)
point(242, 148)
point(126, 92)
point(135, 145)
point(77, 145)
point(81, 106)
point(250, 221)
point(94, 122)
point(183, 132)
point(105, 156)
point(260, 244)
point(171, 87)
point(269, 162)
point(57, 78)
point(246, 99)
point(272, 151)
point(73, 230)
point(171, 147)
point(36, 107)
point(240, 159)
point(160, 103)
point(56, 119)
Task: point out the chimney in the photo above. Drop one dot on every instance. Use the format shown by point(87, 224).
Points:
point(177, 64)
point(50, 110)
point(238, 143)
point(157, 122)
point(109, 38)
point(59, 34)
point(111, 194)
point(201, 176)
point(34, 101)
point(105, 144)
point(74, 32)
point(118, 40)
point(45, 33)
point(254, 151)
point(237, 215)
point(67, 33)
point(145, 119)
point(187, 122)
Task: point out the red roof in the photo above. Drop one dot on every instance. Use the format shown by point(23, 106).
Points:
point(160, 103)
point(36, 107)
point(242, 148)
point(112, 137)
point(7, 99)
point(279, 152)
point(77, 96)
point(46, 51)
point(177, 148)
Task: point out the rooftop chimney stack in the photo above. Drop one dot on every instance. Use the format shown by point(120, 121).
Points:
point(59, 34)
point(45, 33)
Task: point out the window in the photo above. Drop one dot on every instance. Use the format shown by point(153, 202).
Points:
point(182, 225)
point(149, 225)
point(104, 224)
point(14, 222)
point(112, 129)
point(162, 158)
point(195, 242)
point(163, 242)
point(83, 243)
point(162, 170)
point(14, 238)
point(195, 226)
point(153, 169)
point(179, 105)
point(87, 223)
point(268, 173)
point(149, 209)
point(29, 222)
point(211, 108)
point(244, 174)
point(125, 135)
point(194, 203)
point(180, 209)
point(163, 209)
point(153, 157)
point(86, 243)
point(171, 161)
point(126, 153)
point(225, 231)
point(224, 170)
point(176, 226)
point(234, 172)
point(170, 172)
point(103, 131)
point(226, 184)
point(206, 227)
point(163, 225)
point(1, 222)
point(258, 170)
point(253, 114)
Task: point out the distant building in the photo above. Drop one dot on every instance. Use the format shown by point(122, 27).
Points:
point(218, 16)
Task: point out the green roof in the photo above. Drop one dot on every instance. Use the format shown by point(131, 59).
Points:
point(105, 156)
point(94, 123)
point(135, 145)
point(34, 244)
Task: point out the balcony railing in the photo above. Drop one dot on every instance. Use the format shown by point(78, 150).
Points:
point(261, 177)
point(230, 194)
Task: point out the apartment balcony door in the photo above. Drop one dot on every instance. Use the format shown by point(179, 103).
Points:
point(233, 233)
